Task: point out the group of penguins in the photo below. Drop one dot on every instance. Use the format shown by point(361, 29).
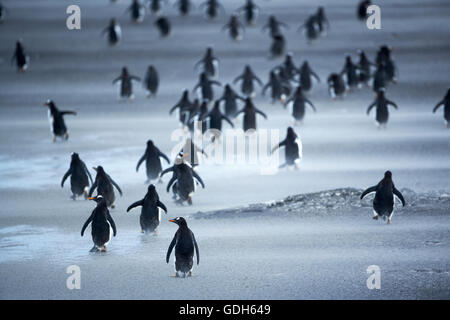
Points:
point(288, 85)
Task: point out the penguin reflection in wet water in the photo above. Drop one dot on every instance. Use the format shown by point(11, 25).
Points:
point(56, 118)
point(382, 113)
point(235, 27)
point(184, 243)
point(293, 149)
point(383, 203)
point(247, 78)
point(126, 85)
point(113, 32)
point(151, 210)
point(164, 26)
point(446, 103)
point(151, 81)
point(21, 58)
point(102, 225)
point(105, 186)
point(250, 112)
point(79, 177)
point(299, 102)
point(152, 160)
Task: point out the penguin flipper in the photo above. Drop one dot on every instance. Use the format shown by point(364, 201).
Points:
point(135, 204)
point(164, 156)
point(115, 185)
point(94, 185)
point(140, 162)
point(171, 181)
point(172, 244)
point(196, 176)
point(197, 253)
point(161, 205)
point(166, 171)
point(400, 196)
point(87, 223)
point(440, 103)
point(367, 191)
point(73, 113)
point(68, 173)
point(112, 223)
point(87, 171)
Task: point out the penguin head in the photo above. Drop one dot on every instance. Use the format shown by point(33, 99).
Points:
point(179, 221)
point(388, 175)
point(291, 133)
point(299, 90)
point(181, 157)
point(98, 198)
point(50, 104)
point(247, 68)
point(185, 93)
point(75, 156)
point(209, 51)
point(203, 76)
point(112, 22)
point(151, 189)
point(216, 104)
point(99, 169)
point(305, 64)
point(380, 92)
point(228, 87)
point(124, 71)
point(248, 102)
point(150, 143)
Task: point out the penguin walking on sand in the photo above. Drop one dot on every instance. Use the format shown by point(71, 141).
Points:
point(235, 28)
point(293, 149)
point(151, 81)
point(277, 86)
point(382, 113)
point(446, 103)
point(306, 74)
point(151, 210)
point(184, 6)
point(247, 78)
point(209, 63)
point(126, 85)
point(79, 177)
point(299, 102)
point(183, 105)
point(278, 46)
point(230, 98)
point(184, 243)
point(152, 160)
point(204, 87)
point(216, 117)
point(183, 179)
point(21, 58)
point(113, 31)
point(383, 203)
point(164, 26)
point(274, 26)
point(211, 8)
point(105, 187)
point(336, 86)
point(250, 112)
point(56, 119)
point(365, 68)
point(102, 225)
point(250, 11)
point(137, 11)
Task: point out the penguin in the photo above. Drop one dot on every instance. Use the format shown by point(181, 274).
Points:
point(190, 150)
point(102, 225)
point(379, 78)
point(230, 98)
point(183, 177)
point(113, 31)
point(204, 87)
point(383, 203)
point(211, 8)
point(361, 11)
point(155, 6)
point(152, 162)
point(151, 81)
point(21, 58)
point(164, 26)
point(381, 103)
point(274, 26)
point(350, 72)
point(384, 58)
point(293, 149)
point(184, 243)
point(306, 74)
point(247, 77)
point(250, 11)
point(209, 63)
point(197, 117)
point(56, 119)
point(446, 103)
point(79, 177)
point(184, 6)
point(184, 105)
point(310, 29)
point(289, 67)
point(235, 27)
point(365, 68)
point(250, 112)
point(278, 46)
point(336, 85)
point(126, 86)
point(216, 117)
point(104, 185)
point(321, 20)
point(278, 88)
point(2, 12)
point(151, 210)
point(192, 115)
point(137, 11)
point(299, 102)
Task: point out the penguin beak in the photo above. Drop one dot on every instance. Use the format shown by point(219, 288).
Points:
point(94, 168)
point(91, 198)
point(172, 220)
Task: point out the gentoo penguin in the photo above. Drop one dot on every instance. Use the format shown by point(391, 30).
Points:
point(278, 46)
point(184, 6)
point(383, 203)
point(56, 118)
point(288, 66)
point(209, 63)
point(361, 11)
point(306, 74)
point(184, 243)
point(250, 112)
point(192, 116)
point(79, 177)
point(183, 177)
point(137, 11)
point(230, 98)
point(204, 87)
point(190, 151)
point(155, 6)
point(151, 81)
point(113, 32)
point(235, 28)
point(384, 58)
point(379, 78)
point(150, 212)
point(321, 20)
point(336, 85)
point(299, 102)
point(381, 103)
point(21, 58)
point(274, 26)
point(211, 8)
point(184, 105)
point(250, 11)
point(310, 29)
point(446, 103)
point(247, 77)
point(216, 117)
point(293, 149)
point(152, 161)
point(277, 86)
point(104, 185)
point(196, 117)
point(103, 226)
point(126, 86)
point(365, 68)
point(164, 26)
point(350, 71)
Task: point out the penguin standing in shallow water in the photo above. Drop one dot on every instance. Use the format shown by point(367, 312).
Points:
point(126, 85)
point(383, 203)
point(113, 32)
point(152, 160)
point(21, 58)
point(151, 81)
point(293, 149)
point(381, 103)
point(446, 103)
point(56, 118)
point(250, 112)
point(230, 98)
point(321, 20)
point(247, 78)
point(150, 212)
point(79, 177)
point(190, 151)
point(103, 226)
point(184, 243)
point(104, 185)
point(310, 29)
point(299, 102)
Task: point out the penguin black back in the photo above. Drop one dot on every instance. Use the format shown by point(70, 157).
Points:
point(105, 186)
point(79, 177)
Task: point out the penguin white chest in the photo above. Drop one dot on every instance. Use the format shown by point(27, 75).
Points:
point(51, 120)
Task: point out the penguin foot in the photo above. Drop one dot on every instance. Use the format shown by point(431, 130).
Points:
point(389, 221)
point(54, 139)
point(66, 136)
point(375, 217)
point(73, 197)
point(176, 275)
point(189, 274)
point(189, 201)
point(113, 206)
point(94, 249)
